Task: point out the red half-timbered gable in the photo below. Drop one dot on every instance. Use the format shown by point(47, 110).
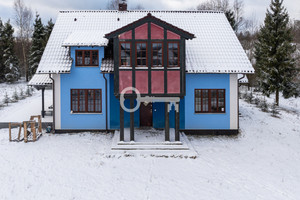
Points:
point(149, 55)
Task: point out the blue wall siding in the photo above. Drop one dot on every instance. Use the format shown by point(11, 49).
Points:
point(82, 78)
point(206, 121)
point(115, 109)
point(158, 110)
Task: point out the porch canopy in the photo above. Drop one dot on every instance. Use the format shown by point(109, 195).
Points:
point(40, 82)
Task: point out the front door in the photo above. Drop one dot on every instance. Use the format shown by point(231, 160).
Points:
point(146, 114)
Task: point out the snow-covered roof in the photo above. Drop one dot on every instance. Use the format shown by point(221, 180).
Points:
point(215, 49)
point(86, 38)
point(242, 79)
point(40, 80)
point(107, 65)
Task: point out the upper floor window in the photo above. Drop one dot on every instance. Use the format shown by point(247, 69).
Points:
point(141, 54)
point(173, 54)
point(157, 54)
point(125, 54)
point(86, 100)
point(87, 58)
point(209, 101)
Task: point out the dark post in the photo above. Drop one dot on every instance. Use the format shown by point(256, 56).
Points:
point(131, 120)
point(177, 137)
point(121, 123)
point(43, 102)
point(167, 125)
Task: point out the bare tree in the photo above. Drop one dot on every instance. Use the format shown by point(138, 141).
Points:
point(219, 5)
point(23, 20)
point(113, 5)
point(238, 9)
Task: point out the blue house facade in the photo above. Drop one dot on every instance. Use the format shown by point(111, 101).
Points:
point(184, 72)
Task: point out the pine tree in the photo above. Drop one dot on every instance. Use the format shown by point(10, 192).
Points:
point(2, 67)
point(48, 30)
point(273, 52)
point(231, 18)
point(37, 47)
point(11, 64)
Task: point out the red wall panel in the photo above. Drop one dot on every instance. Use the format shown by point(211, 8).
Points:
point(157, 32)
point(173, 82)
point(172, 36)
point(141, 81)
point(125, 36)
point(141, 32)
point(157, 82)
point(125, 80)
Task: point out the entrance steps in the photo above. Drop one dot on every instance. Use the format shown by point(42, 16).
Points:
point(150, 140)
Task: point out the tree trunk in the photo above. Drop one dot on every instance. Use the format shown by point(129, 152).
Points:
point(25, 62)
point(277, 97)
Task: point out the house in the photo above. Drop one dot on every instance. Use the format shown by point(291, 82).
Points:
point(184, 65)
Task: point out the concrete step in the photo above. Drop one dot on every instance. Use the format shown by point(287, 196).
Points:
point(150, 147)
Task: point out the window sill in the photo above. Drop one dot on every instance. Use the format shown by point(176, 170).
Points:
point(87, 66)
point(85, 113)
point(125, 67)
point(210, 113)
point(137, 67)
point(173, 68)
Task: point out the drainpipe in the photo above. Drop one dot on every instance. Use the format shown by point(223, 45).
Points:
point(106, 112)
point(238, 91)
point(53, 99)
point(241, 79)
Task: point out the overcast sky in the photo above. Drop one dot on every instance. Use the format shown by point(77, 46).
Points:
point(49, 8)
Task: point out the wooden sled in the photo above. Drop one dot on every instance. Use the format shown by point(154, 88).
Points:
point(18, 138)
point(31, 135)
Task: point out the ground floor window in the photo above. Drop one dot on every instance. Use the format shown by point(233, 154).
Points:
point(86, 100)
point(209, 100)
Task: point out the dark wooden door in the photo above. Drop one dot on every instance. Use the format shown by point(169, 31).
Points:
point(146, 115)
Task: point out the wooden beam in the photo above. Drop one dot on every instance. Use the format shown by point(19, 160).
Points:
point(177, 136)
point(121, 124)
point(167, 125)
point(131, 120)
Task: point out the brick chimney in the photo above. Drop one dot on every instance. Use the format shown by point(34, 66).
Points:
point(123, 5)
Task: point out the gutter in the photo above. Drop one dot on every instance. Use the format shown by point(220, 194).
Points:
point(53, 99)
point(106, 113)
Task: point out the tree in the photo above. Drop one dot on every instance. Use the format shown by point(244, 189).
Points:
point(2, 67)
point(38, 45)
point(23, 20)
point(273, 52)
point(233, 14)
point(12, 72)
point(48, 30)
point(113, 5)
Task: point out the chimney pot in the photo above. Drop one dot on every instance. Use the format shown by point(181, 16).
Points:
point(123, 5)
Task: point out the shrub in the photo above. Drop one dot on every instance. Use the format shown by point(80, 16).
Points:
point(15, 96)
point(28, 92)
point(274, 110)
point(22, 96)
point(6, 99)
point(264, 106)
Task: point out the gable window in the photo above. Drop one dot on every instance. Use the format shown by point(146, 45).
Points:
point(173, 54)
point(86, 57)
point(157, 54)
point(141, 54)
point(125, 54)
point(86, 100)
point(209, 101)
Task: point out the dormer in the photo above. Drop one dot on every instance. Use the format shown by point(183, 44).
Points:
point(149, 55)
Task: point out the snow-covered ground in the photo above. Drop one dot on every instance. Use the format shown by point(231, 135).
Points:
point(260, 163)
point(23, 109)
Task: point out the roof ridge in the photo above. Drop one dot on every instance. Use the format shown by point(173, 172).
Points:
point(132, 11)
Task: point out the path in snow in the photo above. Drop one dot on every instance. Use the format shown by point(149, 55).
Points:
point(261, 163)
point(23, 109)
